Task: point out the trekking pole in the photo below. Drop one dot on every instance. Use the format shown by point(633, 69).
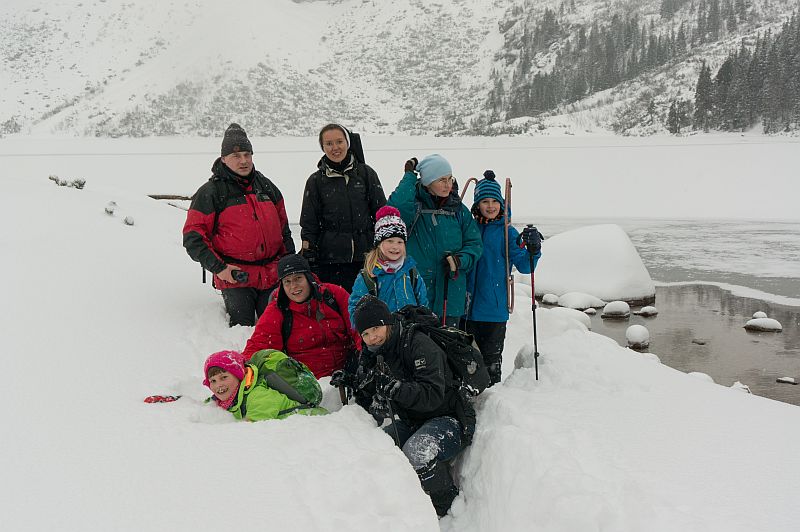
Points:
point(466, 186)
point(380, 365)
point(204, 274)
point(533, 309)
point(446, 288)
point(509, 275)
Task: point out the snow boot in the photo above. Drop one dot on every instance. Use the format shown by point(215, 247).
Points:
point(438, 484)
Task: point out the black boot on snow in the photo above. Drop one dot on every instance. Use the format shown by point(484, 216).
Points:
point(438, 484)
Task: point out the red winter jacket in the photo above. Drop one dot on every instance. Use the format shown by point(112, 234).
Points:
point(321, 337)
point(251, 231)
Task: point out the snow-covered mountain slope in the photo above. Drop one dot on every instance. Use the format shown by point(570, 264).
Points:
point(164, 67)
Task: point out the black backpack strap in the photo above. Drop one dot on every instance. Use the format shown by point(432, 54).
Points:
point(372, 287)
point(286, 325)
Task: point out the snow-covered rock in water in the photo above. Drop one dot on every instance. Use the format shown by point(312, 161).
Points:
point(580, 301)
point(647, 312)
point(759, 314)
point(577, 315)
point(741, 387)
point(590, 311)
point(763, 324)
point(616, 310)
point(111, 207)
point(128, 220)
point(701, 376)
point(638, 337)
point(550, 299)
point(597, 259)
point(787, 380)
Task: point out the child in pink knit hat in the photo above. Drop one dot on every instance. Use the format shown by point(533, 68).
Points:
point(389, 273)
point(242, 388)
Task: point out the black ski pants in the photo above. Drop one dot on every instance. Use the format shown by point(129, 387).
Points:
point(490, 337)
point(245, 305)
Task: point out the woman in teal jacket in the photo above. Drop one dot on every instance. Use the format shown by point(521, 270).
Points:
point(442, 235)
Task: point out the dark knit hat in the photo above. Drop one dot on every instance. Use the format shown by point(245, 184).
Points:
point(488, 188)
point(290, 264)
point(388, 224)
point(371, 312)
point(235, 139)
point(230, 361)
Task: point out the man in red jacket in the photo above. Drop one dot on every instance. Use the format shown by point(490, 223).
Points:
point(237, 229)
point(307, 320)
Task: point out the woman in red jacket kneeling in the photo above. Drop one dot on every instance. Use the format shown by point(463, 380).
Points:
point(306, 319)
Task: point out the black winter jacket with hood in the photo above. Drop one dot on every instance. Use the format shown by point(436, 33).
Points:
point(426, 391)
point(338, 214)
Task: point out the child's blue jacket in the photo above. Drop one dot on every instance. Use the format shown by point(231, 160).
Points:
point(395, 289)
point(486, 283)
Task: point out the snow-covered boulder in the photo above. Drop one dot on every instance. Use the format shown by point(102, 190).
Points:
point(578, 315)
point(597, 259)
point(763, 325)
point(647, 312)
point(550, 299)
point(591, 311)
point(638, 337)
point(741, 387)
point(759, 314)
point(580, 301)
point(616, 310)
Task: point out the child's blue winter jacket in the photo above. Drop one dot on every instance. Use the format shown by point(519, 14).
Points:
point(395, 289)
point(486, 283)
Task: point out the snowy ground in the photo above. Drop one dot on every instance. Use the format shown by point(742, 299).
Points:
point(97, 314)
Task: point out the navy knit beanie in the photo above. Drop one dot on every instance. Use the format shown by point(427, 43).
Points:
point(488, 188)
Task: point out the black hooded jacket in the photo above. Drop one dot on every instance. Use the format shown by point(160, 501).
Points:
point(426, 391)
point(338, 214)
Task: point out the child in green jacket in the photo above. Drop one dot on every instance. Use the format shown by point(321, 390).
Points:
point(248, 391)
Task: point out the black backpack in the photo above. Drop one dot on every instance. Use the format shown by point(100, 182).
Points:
point(463, 357)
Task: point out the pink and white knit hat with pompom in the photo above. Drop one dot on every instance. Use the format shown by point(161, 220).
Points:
point(388, 224)
point(230, 361)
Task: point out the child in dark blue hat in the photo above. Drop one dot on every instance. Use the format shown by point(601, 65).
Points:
point(487, 305)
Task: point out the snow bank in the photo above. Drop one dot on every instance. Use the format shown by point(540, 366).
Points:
point(98, 314)
point(599, 260)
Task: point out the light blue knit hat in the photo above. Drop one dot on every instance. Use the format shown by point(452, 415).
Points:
point(433, 167)
point(488, 188)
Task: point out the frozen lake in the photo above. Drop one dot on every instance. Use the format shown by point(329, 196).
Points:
point(719, 209)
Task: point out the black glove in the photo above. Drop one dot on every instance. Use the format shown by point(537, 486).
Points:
point(309, 254)
point(456, 262)
point(379, 408)
point(411, 164)
point(390, 389)
point(531, 239)
point(340, 378)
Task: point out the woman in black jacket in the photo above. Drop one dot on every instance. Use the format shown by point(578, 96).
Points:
point(405, 374)
point(337, 219)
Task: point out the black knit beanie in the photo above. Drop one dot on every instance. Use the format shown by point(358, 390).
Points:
point(371, 312)
point(290, 264)
point(235, 139)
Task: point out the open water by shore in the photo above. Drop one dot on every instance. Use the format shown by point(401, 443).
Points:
point(701, 328)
